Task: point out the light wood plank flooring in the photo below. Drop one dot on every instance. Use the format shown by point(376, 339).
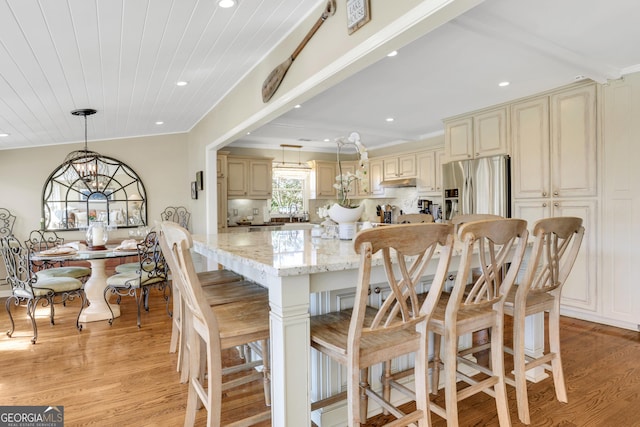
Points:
point(119, 375)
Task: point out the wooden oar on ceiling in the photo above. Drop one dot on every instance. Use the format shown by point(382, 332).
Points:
point(274, 79)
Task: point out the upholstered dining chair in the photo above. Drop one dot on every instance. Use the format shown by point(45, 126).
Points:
point(178, 214)
point(41, 240)
point(7, 219)
point(151, 273)
point(498, 247)
point(212, 329)
point(555, 249)
point(28, 288)
point(363, 336)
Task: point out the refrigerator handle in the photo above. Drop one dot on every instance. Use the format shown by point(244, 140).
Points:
point(472, 208)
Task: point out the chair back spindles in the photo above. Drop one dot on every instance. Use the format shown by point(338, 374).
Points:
point(7, 220)
point(178, 214)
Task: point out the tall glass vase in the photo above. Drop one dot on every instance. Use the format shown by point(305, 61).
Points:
point(346, 219)
point(97, 235)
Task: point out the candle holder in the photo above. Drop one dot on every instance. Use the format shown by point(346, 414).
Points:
point(97, 236)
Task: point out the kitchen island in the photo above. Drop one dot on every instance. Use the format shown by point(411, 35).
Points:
point(298, 269)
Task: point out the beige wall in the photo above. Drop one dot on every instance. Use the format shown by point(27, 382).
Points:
point(159, 161)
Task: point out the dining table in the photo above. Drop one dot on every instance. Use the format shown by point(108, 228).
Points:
point(95, 285)
point(305, 275)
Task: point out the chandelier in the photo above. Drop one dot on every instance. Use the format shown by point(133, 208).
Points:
point(83, 166)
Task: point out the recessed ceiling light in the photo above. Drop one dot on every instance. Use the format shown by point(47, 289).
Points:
point(159, 123)
point(389, 119)
point(226, 3)
point(182, 83)
point(504, 84)
point(326, 140)
point(392, 53)
point(297, 106)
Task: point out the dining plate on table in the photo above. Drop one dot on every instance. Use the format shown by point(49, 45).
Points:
point(57, 252)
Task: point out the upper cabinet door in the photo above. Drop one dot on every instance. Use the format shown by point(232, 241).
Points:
point(530, 139)
point(573, 142)
point(490, 133)
point(260, 179)
point(237, 170)
point(458, 140)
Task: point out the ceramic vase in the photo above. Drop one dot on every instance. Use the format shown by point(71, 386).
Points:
point(346, 219)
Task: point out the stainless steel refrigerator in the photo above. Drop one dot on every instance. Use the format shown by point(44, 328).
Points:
point(478, 186)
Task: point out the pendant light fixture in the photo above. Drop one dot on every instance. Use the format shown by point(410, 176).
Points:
point(291, 165)
point(83, 165)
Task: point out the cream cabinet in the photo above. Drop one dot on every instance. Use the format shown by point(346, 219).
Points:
point(481, 134)
point(322, 180)
point(376, 176)
point(579, 292)
point(403, 166)
point(554, 145)
point(429, 178)
point(249, 178)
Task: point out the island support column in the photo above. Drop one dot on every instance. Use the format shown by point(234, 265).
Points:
point(290, 351)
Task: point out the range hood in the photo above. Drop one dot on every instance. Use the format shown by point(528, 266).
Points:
point(399, 182)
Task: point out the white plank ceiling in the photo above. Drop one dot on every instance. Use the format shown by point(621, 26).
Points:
point(124, 57)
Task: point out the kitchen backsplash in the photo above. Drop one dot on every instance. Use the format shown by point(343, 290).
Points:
point(405, 199)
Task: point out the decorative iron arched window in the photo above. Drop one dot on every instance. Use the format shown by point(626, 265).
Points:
point(92, 187)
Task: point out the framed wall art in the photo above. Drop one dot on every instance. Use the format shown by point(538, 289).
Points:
point(358, 14)
point(194, 190)
point(199, 180)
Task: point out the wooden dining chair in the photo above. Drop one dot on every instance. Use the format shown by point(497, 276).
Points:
point(498, 247)
point(211, 329)
point(415, 218)
point(363, 336)
point(555, 249)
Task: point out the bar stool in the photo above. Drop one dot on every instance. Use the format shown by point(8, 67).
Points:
point(212, 329)
point(556, 246)
point(498, 246)
point(363, 336)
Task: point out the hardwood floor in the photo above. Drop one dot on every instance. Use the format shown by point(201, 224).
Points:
point(119, 375)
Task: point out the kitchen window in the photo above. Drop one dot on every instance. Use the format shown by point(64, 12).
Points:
point(290, 192)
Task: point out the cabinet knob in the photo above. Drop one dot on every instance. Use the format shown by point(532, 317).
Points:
point(544, 205)
point(544, 194)
point(376, 289)
point(555, 193)
point(477, 154)
point(556, 204)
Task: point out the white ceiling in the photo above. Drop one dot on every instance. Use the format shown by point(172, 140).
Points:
point(123, 58)
point(536, 45)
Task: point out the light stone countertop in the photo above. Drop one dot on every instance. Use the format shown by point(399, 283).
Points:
point(281, 253)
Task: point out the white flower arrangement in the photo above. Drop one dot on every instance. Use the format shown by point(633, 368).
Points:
point(345, 180)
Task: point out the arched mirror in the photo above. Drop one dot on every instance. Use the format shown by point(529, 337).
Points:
point(93, 187)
